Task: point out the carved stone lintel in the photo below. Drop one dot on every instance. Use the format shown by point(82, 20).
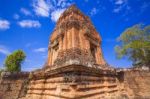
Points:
point(74, 56)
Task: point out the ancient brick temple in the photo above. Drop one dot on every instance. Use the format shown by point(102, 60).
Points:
point(75, 68)
point(75, 41)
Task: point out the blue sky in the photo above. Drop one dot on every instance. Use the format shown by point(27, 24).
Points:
point(27, 25)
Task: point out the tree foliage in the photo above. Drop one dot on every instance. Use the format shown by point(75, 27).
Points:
point(135, 44)
point(13, 61)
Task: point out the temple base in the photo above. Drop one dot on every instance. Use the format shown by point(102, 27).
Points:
point(72, 82)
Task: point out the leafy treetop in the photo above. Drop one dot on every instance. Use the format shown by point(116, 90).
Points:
point(135, 44)
point(13, 61)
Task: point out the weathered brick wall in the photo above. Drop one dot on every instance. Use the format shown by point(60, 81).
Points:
point(136, 83)
point(130, 84)
point(12, 85)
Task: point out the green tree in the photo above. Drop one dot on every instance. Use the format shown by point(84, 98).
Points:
point(13, 61)
point(134, 43)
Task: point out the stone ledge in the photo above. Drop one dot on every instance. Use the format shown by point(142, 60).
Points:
point(14, 75)
point(83, 70)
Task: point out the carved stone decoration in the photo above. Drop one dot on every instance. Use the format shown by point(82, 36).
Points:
point(74, 56)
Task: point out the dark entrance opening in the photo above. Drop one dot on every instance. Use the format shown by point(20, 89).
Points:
point(93, 49)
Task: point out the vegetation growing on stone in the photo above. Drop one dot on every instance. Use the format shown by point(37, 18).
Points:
point(135, 44)
point(13, 61)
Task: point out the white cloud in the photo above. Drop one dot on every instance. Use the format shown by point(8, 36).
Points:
point(44, 56)
point(117, 10)
point(93, 11)
point(144, 6)
point(119, 2)
point(4, 50)
point(42, 8)
point(119, 5)
point(25, 12)
point(62, 3)
point(28, 44)
point(56, 14)
point(16, 16)
point(4, 24)
point(29, 24)
point(50, 8)
point(43, 49)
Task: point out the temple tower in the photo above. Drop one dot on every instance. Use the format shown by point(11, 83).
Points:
point(74, 41)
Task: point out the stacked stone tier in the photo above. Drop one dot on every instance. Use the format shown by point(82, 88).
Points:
point(72, 82)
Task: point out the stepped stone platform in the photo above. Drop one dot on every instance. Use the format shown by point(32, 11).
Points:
point(72, 82)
